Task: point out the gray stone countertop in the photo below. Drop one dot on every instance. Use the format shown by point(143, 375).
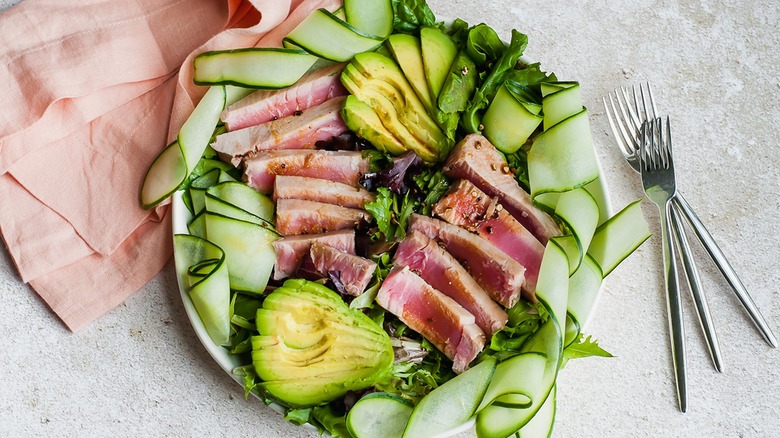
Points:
point(714, 66)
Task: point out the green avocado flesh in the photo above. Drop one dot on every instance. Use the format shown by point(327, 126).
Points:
point(378, 83)
point(438, 52)
point(312, 348)
point(408, 54)
point(362, 119)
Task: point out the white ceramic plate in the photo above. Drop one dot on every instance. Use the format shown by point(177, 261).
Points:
point(181, 216)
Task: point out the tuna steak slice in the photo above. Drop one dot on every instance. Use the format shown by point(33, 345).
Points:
point(437, 317)
point(296, 216)
point(346, 167)
point(439, 269)
point(299, 131)
point(478, 161)
point(291, 250)
point(321, 190)
point(353, 272)
point(467, 206)
point(265, 105)
point(497, 273)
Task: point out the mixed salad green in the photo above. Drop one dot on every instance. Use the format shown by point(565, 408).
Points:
point(510, 386)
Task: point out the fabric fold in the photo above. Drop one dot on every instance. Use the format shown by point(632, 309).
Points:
point(96, 87)
point(95, 167)
point(87, 50)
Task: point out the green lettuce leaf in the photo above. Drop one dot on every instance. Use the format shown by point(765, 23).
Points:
point(410, 15)
point(413, 381)
point(486, 91)
point(382, 209)
point(434, 184)
point(298, 416)
point(328, 419)
point(483, 44)
point(523, 321)
point(585, 347)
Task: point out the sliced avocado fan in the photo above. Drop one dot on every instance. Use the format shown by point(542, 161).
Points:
point(313, 348)
point(385, 105)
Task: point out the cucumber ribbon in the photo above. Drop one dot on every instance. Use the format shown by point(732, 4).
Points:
point(202, 271)
point(562, 169)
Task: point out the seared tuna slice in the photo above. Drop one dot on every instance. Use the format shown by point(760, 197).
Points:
point(296, 216)
point(321, 190)
point(266, 105)
point(467, 206)
point(298, 131)
point(497, 273)
point(292, 250)
point(353, 272)
point(437, 317)
point(340, 166)
point(478, 161)
point(439, 269)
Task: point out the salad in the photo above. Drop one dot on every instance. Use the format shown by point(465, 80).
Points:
point(394, 226)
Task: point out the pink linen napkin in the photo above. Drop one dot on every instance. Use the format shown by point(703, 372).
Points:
point(93, 90)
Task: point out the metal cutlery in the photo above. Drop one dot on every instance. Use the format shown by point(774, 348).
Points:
point(627, 113)
point(626, 126)
point(657, 169)
point(626, 120)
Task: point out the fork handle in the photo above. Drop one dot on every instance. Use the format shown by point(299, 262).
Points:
point(674, 306)
point(726, 269)
point(696, 289)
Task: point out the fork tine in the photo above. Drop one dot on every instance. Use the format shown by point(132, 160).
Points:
point(639, 109)
point(618, 128)
point(632, 114)
point(621, 123)
point(648, 116)
point(653, 144)
point(631, 121)
point(663, 146)
point(657, 141)
point(668, 143)
point(643, 158)
point(612, 122)
point(650, 98)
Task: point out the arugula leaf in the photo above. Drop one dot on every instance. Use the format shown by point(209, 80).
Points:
point(382, 211)
point(408, 207)
point(414, 190)
point(410, 15)
point(585, 347)
point(434, 184)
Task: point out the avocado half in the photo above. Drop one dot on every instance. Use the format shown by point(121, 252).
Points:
point(313, 348)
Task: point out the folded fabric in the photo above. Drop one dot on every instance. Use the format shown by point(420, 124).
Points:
point(94, 89)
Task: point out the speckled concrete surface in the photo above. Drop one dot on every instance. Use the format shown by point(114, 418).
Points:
point(139, 371)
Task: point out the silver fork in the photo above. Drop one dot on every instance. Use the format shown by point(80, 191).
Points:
point(626, 119)
point(657, 169)
point(626, 126)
